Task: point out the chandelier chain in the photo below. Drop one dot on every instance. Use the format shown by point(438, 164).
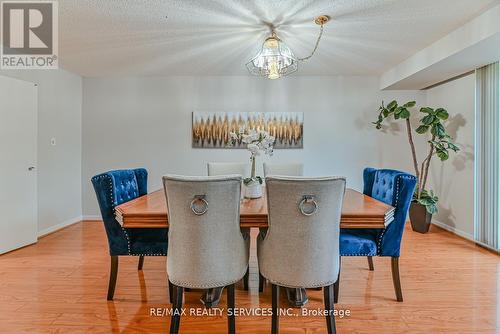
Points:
point(315, 46)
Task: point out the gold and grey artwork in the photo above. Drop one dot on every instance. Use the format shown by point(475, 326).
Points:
point(212, 129)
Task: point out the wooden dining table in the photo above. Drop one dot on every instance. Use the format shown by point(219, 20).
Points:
point(358, 211)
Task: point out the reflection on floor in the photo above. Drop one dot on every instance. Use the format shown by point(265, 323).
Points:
point(59, 285)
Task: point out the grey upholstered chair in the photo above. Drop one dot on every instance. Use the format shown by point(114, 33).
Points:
point(227, 168)
point(296, 297)
point(297, 251)
point(287, 169)
point(206, 248)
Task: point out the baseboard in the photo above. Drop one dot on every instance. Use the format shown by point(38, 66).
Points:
point(59, 226)
point(92, 217)
point(453, 230)
point(464, 235)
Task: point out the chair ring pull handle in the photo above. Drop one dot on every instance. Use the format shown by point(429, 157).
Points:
point(198, 209)
point(308, 205)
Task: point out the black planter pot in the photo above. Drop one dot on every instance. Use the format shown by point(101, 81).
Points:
point(419, 217)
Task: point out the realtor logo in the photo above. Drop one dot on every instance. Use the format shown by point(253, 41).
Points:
point(29, 35)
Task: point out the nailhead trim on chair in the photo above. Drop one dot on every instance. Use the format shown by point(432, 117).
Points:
point(135, 254)
point(208, 285)
point(381, 236)
point(114, 212)
point(124, 231)
point(357, 254)
point(308, 285)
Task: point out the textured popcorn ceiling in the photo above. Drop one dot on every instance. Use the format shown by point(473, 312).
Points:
point(217, 37)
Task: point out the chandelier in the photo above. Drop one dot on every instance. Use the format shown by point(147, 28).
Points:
point(276, 59)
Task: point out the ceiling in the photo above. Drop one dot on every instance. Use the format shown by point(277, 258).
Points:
point(217, 37)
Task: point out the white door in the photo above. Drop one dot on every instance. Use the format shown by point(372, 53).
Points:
point(18, 133)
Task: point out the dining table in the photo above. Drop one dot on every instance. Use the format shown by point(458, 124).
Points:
point(358, 211)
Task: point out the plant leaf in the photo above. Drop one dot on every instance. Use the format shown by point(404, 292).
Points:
point(428, 120)
point(410, 104)
point(432, 209)
point(443, 155)
point(405, 113)
point(393, 104)
point(425, 201)
point(442, 113)
point(437, 145)
point(427, 110)
point(422, 129)
point(441, 132)
point(438, 130)
point(434, 130)
point(453, 147)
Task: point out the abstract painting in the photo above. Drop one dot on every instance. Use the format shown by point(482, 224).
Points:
point(212, 129)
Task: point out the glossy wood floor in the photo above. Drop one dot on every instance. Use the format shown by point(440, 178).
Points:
point(59, 286)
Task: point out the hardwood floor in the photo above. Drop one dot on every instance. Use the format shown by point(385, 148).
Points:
point(59, 286)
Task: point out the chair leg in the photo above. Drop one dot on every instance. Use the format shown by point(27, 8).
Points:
point(112, 277)
point(336, 285)
point(141, 262)
point(329, 308)
point(231, 322)
point(262, 281)
point(177, 309)
point(245, 279)
point(370, 263)
point(395, 278)
point(336, 288)
point(275, 291)
point(170, 292)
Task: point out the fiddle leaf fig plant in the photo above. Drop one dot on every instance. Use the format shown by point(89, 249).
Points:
point(439, 141)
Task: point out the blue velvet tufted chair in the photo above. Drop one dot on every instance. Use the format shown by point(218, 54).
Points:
point(114, 188)
point(394, 188)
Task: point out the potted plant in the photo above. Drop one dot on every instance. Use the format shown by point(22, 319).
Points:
point(440, 143)
point(256, 141)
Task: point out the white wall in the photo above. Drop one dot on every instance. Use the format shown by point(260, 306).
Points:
point(132, 122)
point(146, 121)
point(59, 167)
point(453, 180)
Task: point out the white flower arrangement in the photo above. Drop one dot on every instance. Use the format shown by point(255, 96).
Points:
point(256, 141)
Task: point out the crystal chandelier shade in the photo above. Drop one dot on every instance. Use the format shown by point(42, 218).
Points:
point(274, 60)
